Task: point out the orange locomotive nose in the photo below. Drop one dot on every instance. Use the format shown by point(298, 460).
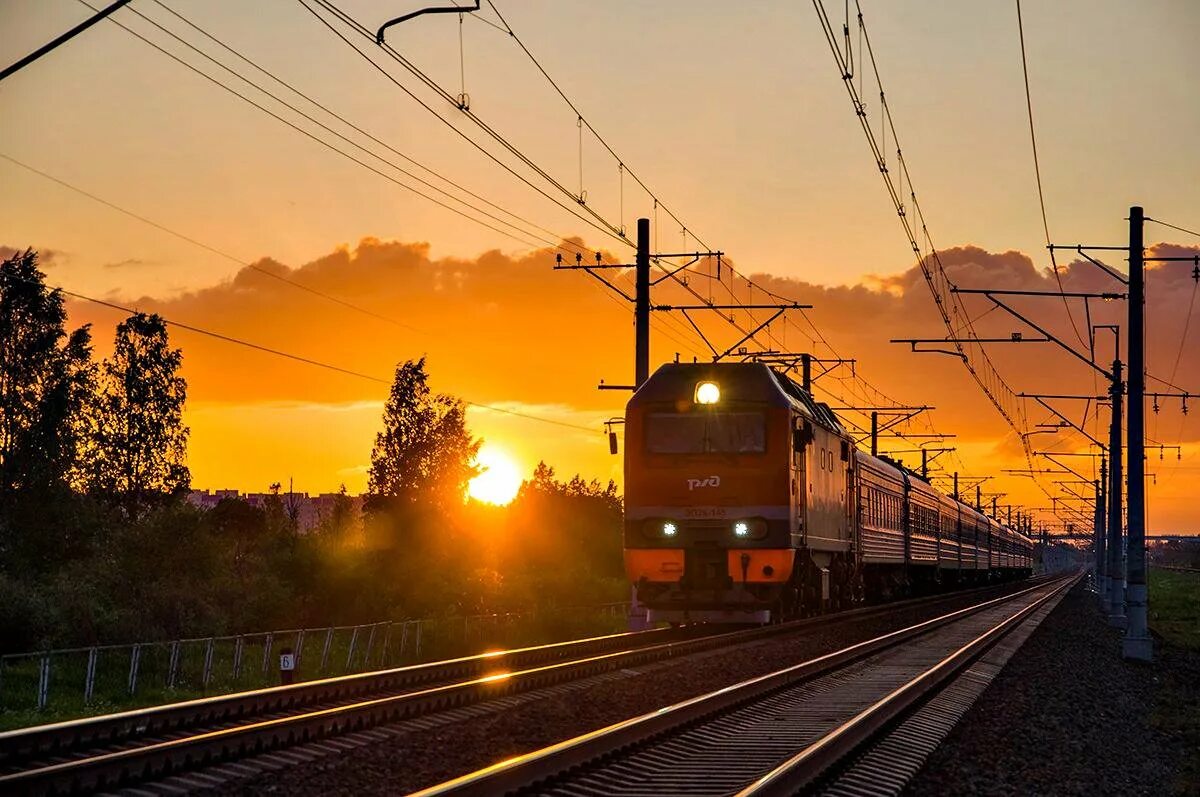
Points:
point(654, 564)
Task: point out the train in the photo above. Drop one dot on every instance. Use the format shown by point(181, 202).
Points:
point(748, 501)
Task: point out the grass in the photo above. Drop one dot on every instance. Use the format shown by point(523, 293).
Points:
point(1175, 618)
point(1175, 607)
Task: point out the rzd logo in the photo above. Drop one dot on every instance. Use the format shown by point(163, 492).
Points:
point(697, 484)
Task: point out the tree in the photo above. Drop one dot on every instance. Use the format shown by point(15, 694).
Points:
point(424, 451)
point(46, 378)
point(140, 450)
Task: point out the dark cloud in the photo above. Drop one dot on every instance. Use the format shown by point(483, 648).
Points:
point(126, 264)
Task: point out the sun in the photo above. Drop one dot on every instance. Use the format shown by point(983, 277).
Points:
point(500, 480)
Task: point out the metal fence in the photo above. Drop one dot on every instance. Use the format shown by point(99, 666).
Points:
point(80, 681)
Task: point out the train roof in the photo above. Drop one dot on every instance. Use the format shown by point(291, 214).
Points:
point(749, 381)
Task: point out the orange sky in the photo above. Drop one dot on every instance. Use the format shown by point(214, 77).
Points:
point(734, 114)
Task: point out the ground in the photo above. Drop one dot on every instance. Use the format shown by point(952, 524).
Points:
point(1069, 716)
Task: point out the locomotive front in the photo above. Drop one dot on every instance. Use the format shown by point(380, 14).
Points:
point(708, 498)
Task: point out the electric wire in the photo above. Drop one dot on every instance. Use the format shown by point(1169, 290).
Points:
point(327, 144)
point(291, 87)
point(209, 248)
point(948, 303)
point(595, 222)
point(1037, 170)
point(233, 340)
point(613, 230)
point(1173, 227)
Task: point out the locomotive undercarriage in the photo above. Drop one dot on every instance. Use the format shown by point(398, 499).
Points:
point(707, 592)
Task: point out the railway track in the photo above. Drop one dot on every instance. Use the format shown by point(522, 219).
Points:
point(118, 750)
point(827, 724)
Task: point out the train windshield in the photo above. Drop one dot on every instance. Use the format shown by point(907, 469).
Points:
point(706, 433)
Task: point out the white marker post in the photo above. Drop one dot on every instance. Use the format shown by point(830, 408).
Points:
point(287, 666)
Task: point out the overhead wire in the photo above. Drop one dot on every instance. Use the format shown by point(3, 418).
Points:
point(596, 221)
point(1037, 170)
point(608, 227)
point(327, 144)
point(564, 245)
point(209, 248)
point(233, 340)
point(291, 87)
point(948, 302)
point(1173, 227)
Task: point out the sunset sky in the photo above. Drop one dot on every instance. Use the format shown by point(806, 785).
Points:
point(735, 116)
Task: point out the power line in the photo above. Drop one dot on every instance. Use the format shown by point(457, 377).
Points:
point(305, 360)
point(322, 141)
point(604, 228)
point(1038, 174)
point(1174, 227)
point(948, 302)
point(207, 247)
point(291, 87)
point(604, 225)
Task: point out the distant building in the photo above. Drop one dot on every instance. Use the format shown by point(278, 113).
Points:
point(308, 510)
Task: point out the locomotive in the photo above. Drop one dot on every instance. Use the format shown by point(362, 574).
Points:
point(746, 501)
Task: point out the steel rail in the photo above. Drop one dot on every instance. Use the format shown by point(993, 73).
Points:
point(537, 770)
point(837, 746)
point(59, 738)
point(253, 732)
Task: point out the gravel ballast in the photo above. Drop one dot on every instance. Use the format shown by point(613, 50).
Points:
point(424, 757)
point(1066, 716)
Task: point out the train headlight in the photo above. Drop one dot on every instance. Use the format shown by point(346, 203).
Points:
point(707, 393)
point(661, 529)
point(749, 529)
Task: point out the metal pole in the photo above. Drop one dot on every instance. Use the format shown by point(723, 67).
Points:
point(1115, 605)
point(63, 39)
point(979, 498)
point(874, 434)
point(924, 464)
point(1102, 544)
point(641, 313)
point(1137, 643)
point(955, 485)
point(806, 371)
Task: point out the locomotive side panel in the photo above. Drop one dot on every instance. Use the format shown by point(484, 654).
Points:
point(826, 524)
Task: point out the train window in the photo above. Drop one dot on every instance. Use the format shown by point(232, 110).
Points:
point(706, 433)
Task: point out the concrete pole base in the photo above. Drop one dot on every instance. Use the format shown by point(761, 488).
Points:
point(1138, 648)
point(1116, 620)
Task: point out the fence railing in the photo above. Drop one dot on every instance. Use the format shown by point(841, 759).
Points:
point(58, 684)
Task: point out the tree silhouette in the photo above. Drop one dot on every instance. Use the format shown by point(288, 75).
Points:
point(140, 449)
point(46, 377)
point(424, 451)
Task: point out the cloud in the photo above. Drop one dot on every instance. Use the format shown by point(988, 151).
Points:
point(132, 262)
point(512, 332)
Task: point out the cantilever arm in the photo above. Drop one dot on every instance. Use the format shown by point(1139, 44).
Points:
point(431, 10)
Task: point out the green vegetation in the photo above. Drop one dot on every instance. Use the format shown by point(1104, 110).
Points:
point(1175, 618)
point(1175, 607)
point(99, 547)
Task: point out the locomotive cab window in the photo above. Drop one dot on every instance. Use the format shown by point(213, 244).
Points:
point(706, 433)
